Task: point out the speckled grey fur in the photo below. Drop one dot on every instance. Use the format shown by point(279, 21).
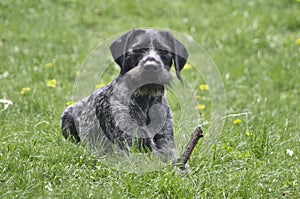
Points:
point(132, 111)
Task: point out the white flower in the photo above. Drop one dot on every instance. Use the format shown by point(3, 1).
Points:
point(289, 152)
point(4, 75)
point(6, 103)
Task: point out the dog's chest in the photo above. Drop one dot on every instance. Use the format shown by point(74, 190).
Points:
point(140, 107)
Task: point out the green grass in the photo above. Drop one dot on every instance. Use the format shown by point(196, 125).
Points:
point(253, 43)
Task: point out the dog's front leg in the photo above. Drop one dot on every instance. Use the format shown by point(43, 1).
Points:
point(165, 147)
point(164, 140)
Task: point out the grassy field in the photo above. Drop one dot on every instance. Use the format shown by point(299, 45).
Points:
point(253, 43)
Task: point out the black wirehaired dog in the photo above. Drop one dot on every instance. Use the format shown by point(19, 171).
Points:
point(132, 111)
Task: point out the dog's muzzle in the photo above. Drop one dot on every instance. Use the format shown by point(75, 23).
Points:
point(153, 71)
point(151, 62)
point(151, 65)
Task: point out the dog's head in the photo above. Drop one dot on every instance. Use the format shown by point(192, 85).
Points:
point(147, 55)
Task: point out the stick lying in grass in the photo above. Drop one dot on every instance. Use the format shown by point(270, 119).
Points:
point(198, 133)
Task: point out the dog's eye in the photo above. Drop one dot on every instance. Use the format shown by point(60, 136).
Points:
point(164, 52)
point(135, 53)
point(166, 56)
point(134, 56)
point(140, 50)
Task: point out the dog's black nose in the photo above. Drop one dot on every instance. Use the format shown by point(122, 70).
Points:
point(151, 64)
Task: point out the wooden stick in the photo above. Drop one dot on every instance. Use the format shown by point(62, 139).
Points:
point(198, 133)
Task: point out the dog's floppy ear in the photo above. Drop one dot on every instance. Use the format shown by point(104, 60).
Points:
point(119, 48)
point(180, 53)
point(180, 57)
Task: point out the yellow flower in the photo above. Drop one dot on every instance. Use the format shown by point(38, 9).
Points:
point(197, 96)
point(49, 65)
point(187, 67)
point(248, 133)
point(99, 85)
point(298, 40)
point(203, 87)
point(25, 90)
point(200, 106)
point(51, 83)
point(237, 121)
point(70, 103)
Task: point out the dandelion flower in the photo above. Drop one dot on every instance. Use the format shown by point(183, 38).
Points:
point(187, 67)
point(237, 121)
point(197, 97)
point(289, 152)
point(99, 85)
point(203, 87)
point(25, 90)
point(51, 83)
point(49, 65)
point(70, 103)
point(298, 41)
point(200, 107)
point(248, 133)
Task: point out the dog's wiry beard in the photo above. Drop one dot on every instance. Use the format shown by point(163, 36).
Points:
point(151, 90)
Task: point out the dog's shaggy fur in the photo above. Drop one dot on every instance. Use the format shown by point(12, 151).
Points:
point(132, 111)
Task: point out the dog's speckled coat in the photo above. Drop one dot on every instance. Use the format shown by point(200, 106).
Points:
point(131, 111)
